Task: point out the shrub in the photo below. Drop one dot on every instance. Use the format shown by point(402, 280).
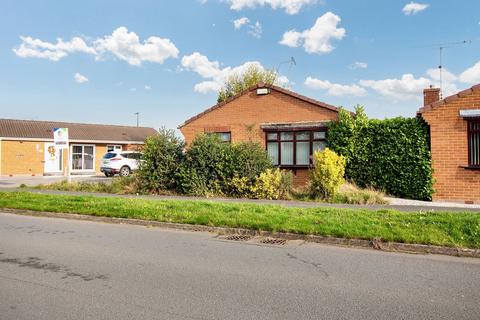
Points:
point(162, 154)
point(212, 167)
point(391, 155)
point(210, 162)
point(272, 184)
point(250, 159)
point(327, 175)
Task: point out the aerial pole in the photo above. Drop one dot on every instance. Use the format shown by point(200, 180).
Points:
point(137, 114)
point(291, 62)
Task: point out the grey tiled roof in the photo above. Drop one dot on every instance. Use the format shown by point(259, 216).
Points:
point(11, 128)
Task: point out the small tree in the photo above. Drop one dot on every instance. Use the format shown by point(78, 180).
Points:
point(327, 174)
point(161, 155)
point(238, 82)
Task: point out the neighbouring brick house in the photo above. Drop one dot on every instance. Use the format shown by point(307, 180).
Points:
point(290, 126)
point(455, 143)
point(26, 147)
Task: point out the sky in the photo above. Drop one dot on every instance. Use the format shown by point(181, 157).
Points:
point(101, 61)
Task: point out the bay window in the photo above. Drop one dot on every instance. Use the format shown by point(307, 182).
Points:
point(294, 148)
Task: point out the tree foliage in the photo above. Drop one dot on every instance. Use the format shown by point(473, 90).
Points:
point(392, 155)
point(239, 82)
point(161, 155)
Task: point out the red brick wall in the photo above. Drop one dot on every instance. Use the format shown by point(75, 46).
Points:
point(449, 145)
point(243, 116)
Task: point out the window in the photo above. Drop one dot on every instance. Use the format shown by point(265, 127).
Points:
point(294, 148)
point(112, 148)
point(474, 143)
point(83, 157)
point(224, 136)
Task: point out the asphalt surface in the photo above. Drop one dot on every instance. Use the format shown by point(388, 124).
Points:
point(67, 269)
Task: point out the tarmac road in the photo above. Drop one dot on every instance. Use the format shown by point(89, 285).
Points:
point(67, 269)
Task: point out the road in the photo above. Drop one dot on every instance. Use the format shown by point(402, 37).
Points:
point(68, 269)
point(15, 182)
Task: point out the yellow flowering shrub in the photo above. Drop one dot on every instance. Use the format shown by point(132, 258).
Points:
point(327, 175)
point(272, 184)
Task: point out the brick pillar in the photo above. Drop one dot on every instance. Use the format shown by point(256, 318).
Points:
point(430, 95)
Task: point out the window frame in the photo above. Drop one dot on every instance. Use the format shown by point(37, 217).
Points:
point(278, 140)
point(218, 133)
point(115, 146)
point(94, 154)
point(470, 133)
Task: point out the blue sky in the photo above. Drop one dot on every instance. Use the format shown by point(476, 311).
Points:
point(165, 59)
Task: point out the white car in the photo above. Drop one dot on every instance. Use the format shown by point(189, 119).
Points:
point(121, 162)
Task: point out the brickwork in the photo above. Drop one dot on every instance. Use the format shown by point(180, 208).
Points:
point(449, 146)
point(244, 115)
point(27, 157)
point(22, 158)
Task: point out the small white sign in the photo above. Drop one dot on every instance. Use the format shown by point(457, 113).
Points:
point(60, 137)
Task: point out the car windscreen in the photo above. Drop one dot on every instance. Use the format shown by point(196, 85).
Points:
point(109, 155)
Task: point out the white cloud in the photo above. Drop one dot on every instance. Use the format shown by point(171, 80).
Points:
point(121, 43)
point(358, 65)
point(335, 89)
point(36, 48)
point(471, 75)
point(255, 30)
point(318, 38)
point(238, 23)
point(405, 88)
point(80, 78)
point(214, 75)
point(147, 87)
point(126, 46)
point(414, 8)
point(290, 6)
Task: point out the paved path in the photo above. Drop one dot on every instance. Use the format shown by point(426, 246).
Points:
point(15, 182)
point(64, 269)
point(293, 204)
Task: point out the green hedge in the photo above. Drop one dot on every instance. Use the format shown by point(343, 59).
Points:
point(391, 155)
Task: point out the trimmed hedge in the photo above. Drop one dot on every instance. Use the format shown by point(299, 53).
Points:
point(391, 155)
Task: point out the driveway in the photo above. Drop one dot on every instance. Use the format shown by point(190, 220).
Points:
point(67, 269)
point(15, 182)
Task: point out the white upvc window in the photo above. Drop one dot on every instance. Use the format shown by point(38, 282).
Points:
point(83, 157)
point(114, 148)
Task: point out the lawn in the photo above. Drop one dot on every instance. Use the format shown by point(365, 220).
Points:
point(439, 228)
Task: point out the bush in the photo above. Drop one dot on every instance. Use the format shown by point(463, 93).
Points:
point(210, 162)
point(272, 184)
point(162, 154)
point(391, 155)
point(327, 175)
point(212, 167)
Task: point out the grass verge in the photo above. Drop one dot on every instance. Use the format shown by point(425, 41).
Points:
point(438, 228)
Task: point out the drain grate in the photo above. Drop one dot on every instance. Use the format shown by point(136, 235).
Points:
point(238, 237)
point(278, 242)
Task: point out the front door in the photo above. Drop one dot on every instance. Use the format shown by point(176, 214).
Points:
point(53, 159)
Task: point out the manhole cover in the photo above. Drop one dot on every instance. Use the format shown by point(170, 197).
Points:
point(238, 237)
point(278, 242)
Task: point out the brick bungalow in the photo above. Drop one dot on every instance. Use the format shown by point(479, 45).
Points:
point(455, 143)
point(290, 126)
point(26, 147)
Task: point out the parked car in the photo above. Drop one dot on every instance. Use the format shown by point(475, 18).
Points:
point(123, 163)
